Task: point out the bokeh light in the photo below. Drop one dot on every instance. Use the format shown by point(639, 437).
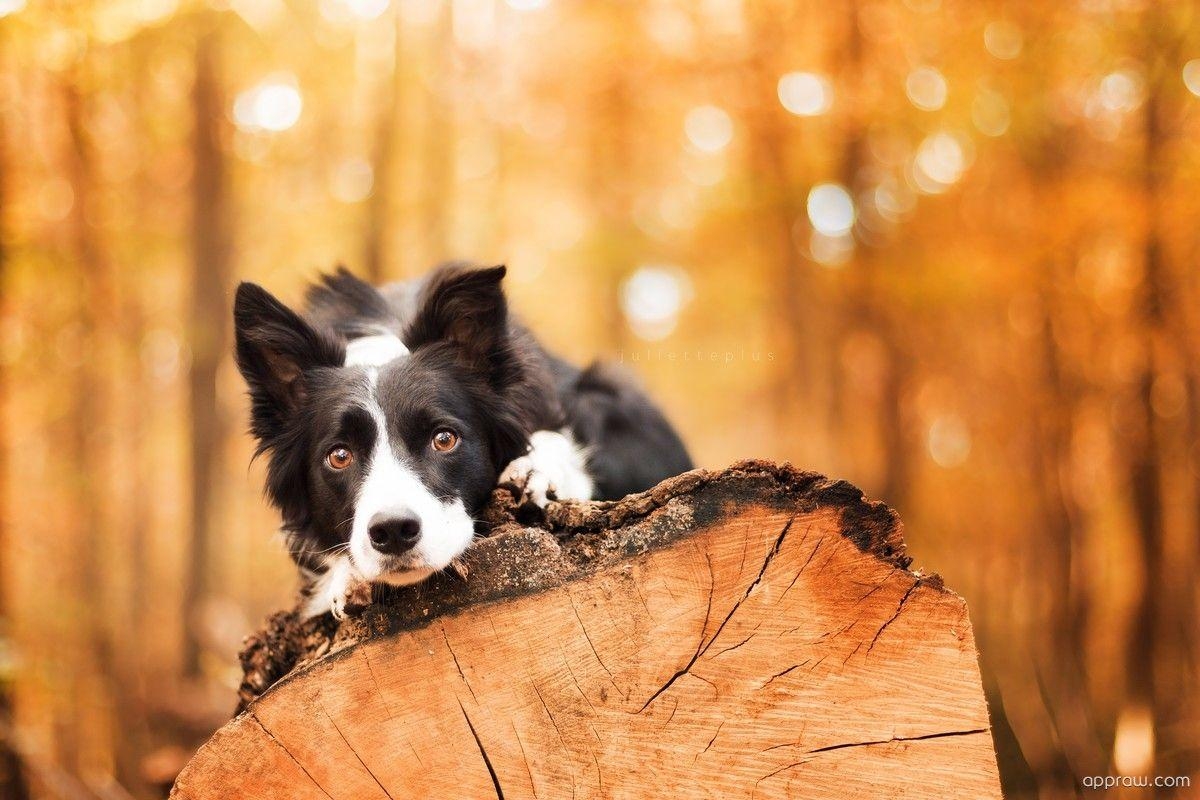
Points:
point(926, 88)
point(805, 94)
point(830, 209)
point(263, 15)
point(830, 251)
point(893, 200)
point(708, 128)
point(353, 10)
point(1121, 91)
point(527, 5)
point(1133, 741)
point(949, 441)
point(652, 299)
point(11, 7)
point(1003, 40)
point(273, 105)
point(1191, 76)
point(940, 161)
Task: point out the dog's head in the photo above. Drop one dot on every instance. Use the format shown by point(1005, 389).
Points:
point(385, 446)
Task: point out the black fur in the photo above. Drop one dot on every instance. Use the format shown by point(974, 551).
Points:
point(471, 367)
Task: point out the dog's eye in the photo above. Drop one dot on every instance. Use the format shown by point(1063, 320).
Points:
point(444, 440)
point(339, 458)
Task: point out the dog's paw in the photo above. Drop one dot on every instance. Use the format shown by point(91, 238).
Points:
point(555, 468)
point(337, 607)
point(333, 590)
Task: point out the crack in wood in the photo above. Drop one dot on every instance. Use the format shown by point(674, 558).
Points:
point(583, 628)
point(710, 742)
point(525, 758)
point(800, 571)
point(553, 721)
point(574, 680)
point(378, 689)
point(847, 745)
point(883, 582)
point(375, 778)
point(283, 747)
point(674, 708)
point(733, 647)
point(784, 672)
point(487, 762)
point(704, 646)
point(641, 597)
point(457, 666)
point(894, 616)
point(784, 768)
point(921, 738)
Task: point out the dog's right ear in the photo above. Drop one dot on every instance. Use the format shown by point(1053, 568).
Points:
point(275, 347)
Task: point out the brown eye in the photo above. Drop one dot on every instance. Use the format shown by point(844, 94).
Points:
point(339, 458)
point(445, 440)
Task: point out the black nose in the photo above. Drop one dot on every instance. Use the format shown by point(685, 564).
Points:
point(394, 535)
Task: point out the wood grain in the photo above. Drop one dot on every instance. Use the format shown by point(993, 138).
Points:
point(753, 633)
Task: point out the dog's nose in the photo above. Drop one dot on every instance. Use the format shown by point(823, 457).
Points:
point(394, 534)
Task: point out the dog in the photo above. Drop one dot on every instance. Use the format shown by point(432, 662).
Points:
point(389, 414)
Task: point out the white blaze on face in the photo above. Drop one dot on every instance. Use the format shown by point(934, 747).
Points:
point(374, 351)
point(392, 489)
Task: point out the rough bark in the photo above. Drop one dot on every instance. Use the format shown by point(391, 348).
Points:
point(755, 631)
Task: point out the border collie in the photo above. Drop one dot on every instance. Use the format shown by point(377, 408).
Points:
point(390, 414)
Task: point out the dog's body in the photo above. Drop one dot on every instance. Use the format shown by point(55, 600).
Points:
point(389, 415)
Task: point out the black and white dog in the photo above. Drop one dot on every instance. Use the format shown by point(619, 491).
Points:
point(390, 414)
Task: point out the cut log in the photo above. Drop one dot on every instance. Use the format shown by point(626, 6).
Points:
point(753, 632)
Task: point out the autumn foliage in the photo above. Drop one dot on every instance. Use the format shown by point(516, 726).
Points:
point(943, 249)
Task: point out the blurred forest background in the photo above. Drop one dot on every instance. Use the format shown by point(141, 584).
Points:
point(941, 248)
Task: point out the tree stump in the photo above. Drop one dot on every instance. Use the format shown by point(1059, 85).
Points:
point(751, 632)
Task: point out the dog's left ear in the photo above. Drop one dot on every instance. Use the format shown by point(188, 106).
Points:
point(466, 308)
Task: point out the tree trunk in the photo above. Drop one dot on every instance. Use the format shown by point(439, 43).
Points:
point(91, 423)
point(753, 631)
point(436, 191)
point(209, 278)
point(795, 306)
point(380, 212)
point(12, 778)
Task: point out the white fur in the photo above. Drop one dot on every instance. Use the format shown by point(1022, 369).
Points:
point(374, 351)
point(392, 488)
point(330, 590)
point(554, 464)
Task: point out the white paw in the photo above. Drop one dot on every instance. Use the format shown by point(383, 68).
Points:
point(332, 589)
point(555, 467)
